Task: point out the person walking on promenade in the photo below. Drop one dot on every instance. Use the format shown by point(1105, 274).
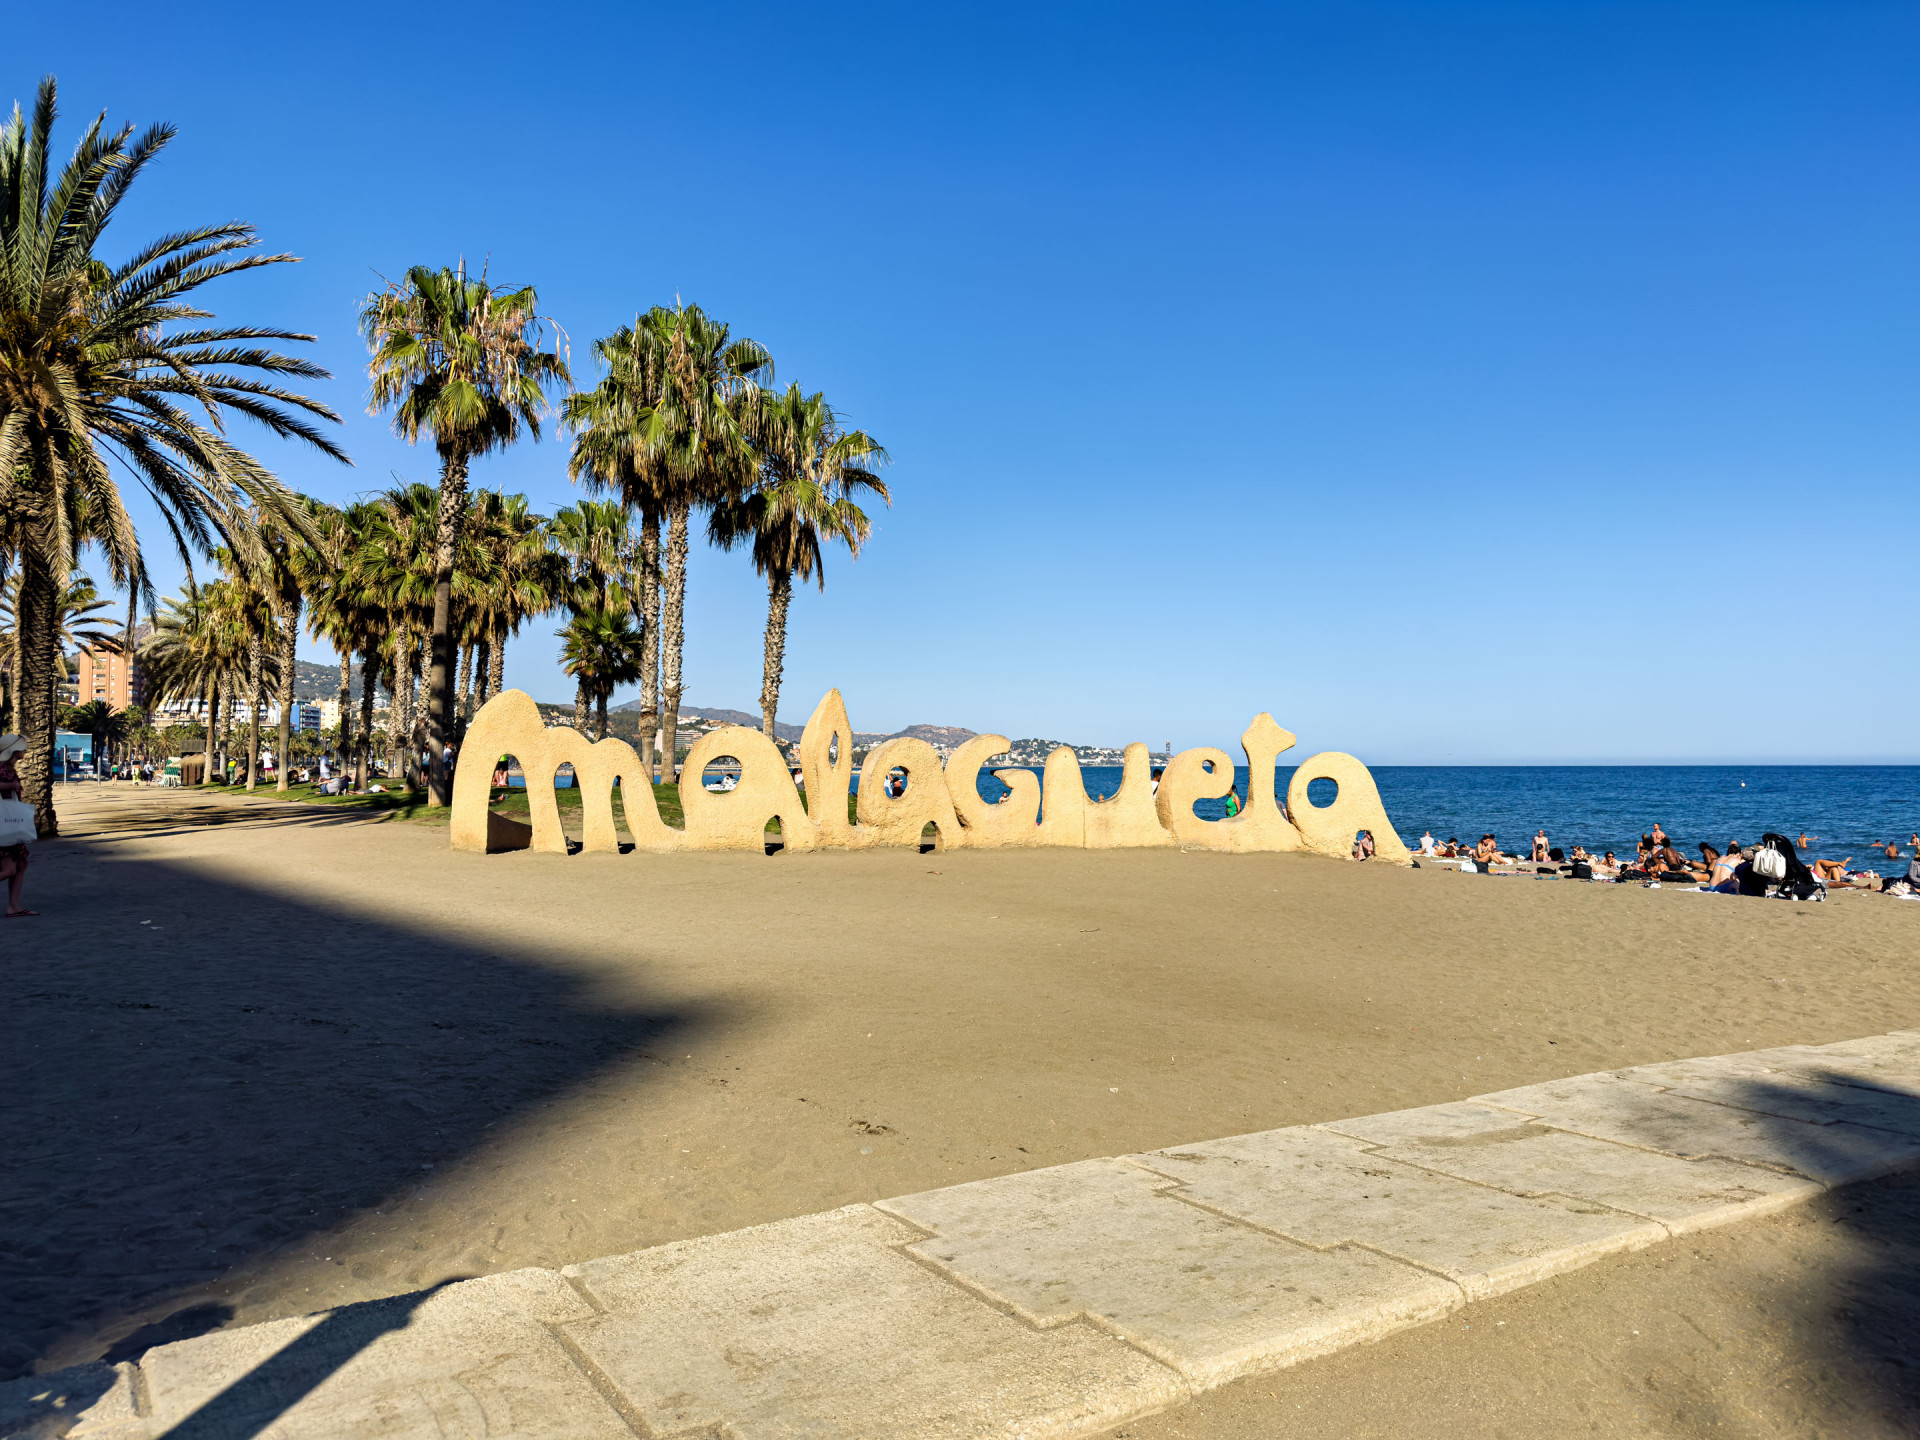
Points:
point(13, 858)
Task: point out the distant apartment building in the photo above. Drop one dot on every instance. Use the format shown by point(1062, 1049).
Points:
point(106, 672)
point(305, 716)
point(329, 714)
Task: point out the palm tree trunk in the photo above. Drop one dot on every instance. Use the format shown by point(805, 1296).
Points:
point(602, 704)
point(466, 688)
point(226, 722)
point(369, 677)
point(672, 636)
point(256, 684)
point(497, 670)
point(452, 515)
point(649, 637)
point(36, 646)
point(213, 708)
point(482, 666)
point(404, 653)
point(581, 705)
point(779, 596)
point(289, 640)
point(346, 707)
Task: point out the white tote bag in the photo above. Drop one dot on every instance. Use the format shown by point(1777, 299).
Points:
point(16, 823)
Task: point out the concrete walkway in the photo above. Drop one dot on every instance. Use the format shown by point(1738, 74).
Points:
point(1051, 1303)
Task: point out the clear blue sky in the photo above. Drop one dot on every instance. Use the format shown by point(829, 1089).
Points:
point(1432, 375)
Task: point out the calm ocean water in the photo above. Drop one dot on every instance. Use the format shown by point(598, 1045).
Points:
point(1608, 807)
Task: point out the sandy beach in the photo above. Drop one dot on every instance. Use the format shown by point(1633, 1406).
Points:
point(288, 1060)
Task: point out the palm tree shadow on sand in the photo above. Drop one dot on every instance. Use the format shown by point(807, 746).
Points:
point(184, 1107)
point(1832, 1329)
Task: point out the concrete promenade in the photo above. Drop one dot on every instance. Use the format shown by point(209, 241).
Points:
point(1056, 1302)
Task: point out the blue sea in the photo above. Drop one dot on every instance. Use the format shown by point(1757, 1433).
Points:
point(1842, 808)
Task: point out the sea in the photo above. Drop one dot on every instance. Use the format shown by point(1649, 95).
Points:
point(1841, 808)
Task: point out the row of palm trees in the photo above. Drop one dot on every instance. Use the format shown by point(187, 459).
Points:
point(104, 364)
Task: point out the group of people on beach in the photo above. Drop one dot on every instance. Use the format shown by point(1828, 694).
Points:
point(1658, 858)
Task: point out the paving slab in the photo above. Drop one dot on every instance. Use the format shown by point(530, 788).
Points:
point(1054, 1303)
point(1796, 1084)
point(1324, 1189)
point(1491, 1146)
point(1608, 1106)
point(1215, 1299)
point(474, 1358)
point(823, 1326)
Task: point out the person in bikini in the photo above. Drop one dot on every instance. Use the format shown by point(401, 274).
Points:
point(1540, 844)
point(13, 858)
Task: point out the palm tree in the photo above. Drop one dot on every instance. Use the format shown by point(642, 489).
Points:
point(296, 563)
point(521, 577)
point(602, 653)
point(94, 362)
point(394, 567)
point(247, 603)
point(810, 469)
point(460, 360)
point(668, 430)
point(595, 539)
point(197, 651)
point(97, 718)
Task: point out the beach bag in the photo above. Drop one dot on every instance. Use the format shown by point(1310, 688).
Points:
point(1467, 867)
point(1580, 870)
point(16, 823)
point(1770, 864)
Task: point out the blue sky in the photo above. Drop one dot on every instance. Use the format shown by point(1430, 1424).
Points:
point(1459, 382)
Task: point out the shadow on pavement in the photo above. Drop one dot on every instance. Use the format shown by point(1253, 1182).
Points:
point(181, 1103)
point(1843, 1308)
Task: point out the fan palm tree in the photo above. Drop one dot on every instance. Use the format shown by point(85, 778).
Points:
point(197, 651)
point(668, 431)
point(602, 653)
point(459, 359)
point(106, 725)
point(395, 569)
point(95, 363)
point(595, 539)
point(521, 577)
point(810, 470)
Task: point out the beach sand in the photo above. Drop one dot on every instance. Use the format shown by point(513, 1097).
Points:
point(342, 1062)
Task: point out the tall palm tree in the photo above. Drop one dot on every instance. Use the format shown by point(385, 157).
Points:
point(810, 470)
point(602, 653)
point(96, 362)
point(395, 566)
point(197, 651)
point(522, 577)
point(596, 541)
point(668, 430)
point(460, 360)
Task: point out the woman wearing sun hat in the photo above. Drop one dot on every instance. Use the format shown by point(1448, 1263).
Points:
point(13, 858)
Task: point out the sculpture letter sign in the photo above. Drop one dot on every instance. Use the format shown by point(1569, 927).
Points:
point(1052, 811)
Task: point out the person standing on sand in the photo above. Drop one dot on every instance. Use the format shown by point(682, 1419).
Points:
point(1658, 837)
point(1540, 843)
point(13, 858)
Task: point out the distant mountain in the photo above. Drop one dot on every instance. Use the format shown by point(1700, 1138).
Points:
point(317, 682)
point(942, 737)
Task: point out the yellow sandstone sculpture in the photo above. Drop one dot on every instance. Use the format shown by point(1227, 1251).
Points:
point(1055, 811)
